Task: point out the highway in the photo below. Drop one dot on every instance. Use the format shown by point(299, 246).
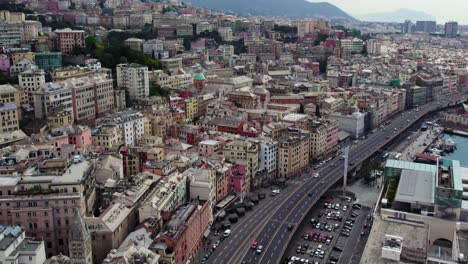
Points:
point(268, 224)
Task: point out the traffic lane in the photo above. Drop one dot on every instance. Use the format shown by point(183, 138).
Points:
point(252, 256)
point(392, 125)
point(244, 228)
point(278, 242)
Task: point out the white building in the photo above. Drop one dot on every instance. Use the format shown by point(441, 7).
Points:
point(134, 79)
point(131, 123)
point(353, 124)
point(204, 26)
point(31, 80)
point(228, 50)
point(153, 47)
point(93, 64)
point(21, 66)
point(373, 47)
point(201, 184)
point(16, 248)
point(267, 156)
point(51, 96)
point(225, 33)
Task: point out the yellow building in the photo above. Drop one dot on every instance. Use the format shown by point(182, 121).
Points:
point(9, 94)
point(16, 57)
point(60, 119)
point(191, 108)
point(246, 151)
point(293, 155)
point(9, 117)
point(109, 137)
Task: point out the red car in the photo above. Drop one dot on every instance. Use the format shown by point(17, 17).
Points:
point(254, 245)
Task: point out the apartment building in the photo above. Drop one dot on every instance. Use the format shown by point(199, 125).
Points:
point(31, 80)
point(293, 154)
point(92, 97)
point(225, 33)
point(183, 234)
point(267, 159)
point(17, 248)
point(9, 117)
point(134, 79)
point(44, 202)
point(131, 124)
point(67, 39)
point(247, 151)
point(181, 80)
point(52, 97)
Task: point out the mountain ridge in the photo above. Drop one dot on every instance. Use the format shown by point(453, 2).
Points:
point(295, 9)
point(399, 16)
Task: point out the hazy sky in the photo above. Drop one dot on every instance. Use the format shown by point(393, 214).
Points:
point(442, 10)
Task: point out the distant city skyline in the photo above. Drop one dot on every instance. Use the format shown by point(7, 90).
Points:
point(443, 11)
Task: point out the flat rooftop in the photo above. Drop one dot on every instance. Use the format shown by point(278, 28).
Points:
point(414, 237)
point(416, 186)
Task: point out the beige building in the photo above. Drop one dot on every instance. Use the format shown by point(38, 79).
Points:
point(457, 119)
point(309, 26)
point(225, 33)
point(9, 94)
point(31, 80)
point(134, 44)
point(9, 117)
point(293, 155)
point(60, 119)
point(92, 96)
point(174, 81)
point(17, 57)
point(108, 137)
point(172, 64)
point(246, 151)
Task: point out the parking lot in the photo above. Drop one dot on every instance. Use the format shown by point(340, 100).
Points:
point(324, 235)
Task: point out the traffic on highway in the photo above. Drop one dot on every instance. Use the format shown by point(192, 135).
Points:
point(273, 223)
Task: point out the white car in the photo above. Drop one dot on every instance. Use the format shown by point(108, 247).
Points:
point(316, 175)
point(345, 208)
point(259, 249)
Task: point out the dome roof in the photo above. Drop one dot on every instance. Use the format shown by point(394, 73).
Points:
point(199, 77)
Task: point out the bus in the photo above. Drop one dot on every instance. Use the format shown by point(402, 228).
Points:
point(384, 157)
point(397, 156)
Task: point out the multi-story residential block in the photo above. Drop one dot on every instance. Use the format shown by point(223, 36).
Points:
point(293, 154)
point(172, 64)
point(373, 47)
point(92, 97)
point(48, 60)
point(31, 80)
point(184, 30)
point(131, 124)
point(9, 94)
point(21, 66)
point(31, 29)
point(4, 64)
point(309, 26)
point(247, 151)
point(451, 29)
point(204, 26)
point(174, 81)
point(52, 97)
point(18, 56)
point(225, 33)
point(353, 123)
point(135, 44)
point(47, 212)
point(67, 39)
point(134, 79)
point(153, 47)
point(191, 108)
point(60, 119)
point(425, 26)
point(183, 233)
point(9, 117)
point(17, 248)
point(208, 147)
point(268, 157)
point(108, 137)
point(11, 34)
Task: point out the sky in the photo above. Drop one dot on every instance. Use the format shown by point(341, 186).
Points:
point(442, 10)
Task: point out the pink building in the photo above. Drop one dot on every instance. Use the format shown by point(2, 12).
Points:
point(67, 39)
point(80, 136)
point(4, 64)
point(238, 178)
point(208, 147)
point(183, 234)
point(332, 137)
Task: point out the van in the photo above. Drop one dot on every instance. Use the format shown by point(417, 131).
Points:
point(227, 232)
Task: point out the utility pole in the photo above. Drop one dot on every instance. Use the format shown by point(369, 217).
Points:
point(345, 170)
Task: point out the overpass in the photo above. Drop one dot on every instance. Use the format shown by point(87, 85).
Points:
point(268, 224)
